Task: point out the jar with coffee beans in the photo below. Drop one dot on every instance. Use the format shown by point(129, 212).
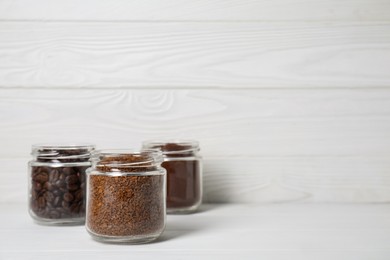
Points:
point(57, 183)
point(184, 174)
point(126, 196)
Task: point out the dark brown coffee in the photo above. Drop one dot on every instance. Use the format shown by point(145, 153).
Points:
point(183, 183)
point(58, 183)
point(184, 174)
point(58, 192)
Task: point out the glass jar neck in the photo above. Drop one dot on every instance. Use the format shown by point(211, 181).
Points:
point(62, 153)
point(126, 161)
point(172, 149)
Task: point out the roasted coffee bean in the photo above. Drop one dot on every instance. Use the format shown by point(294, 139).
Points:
point(65, 205)
point(72, 179)
point(45, 169)
point(54, 214)
point(78, 195)
point(41, 202)
point(37, 186)
point(74, 208)
point(34, 205)
point(56, 192)
point(42, 178)
point(61, 188)
point(68, 171)
point(56, 175)
point(49, 196)
point(56, 201)
point(68, 197)
point(81, 177)
point(48, 186)
point(72, 187)
point(54, 171)
point(33, 194)
point(58, 183)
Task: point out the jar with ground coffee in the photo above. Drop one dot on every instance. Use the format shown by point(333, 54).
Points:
point(184, 174)
point(57, 183)
point(126, 196)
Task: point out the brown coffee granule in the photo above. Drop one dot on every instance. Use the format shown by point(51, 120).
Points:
point(125, 163)
point(184, 182)
point(175, 150)
point(125, 205)
point(131, 203)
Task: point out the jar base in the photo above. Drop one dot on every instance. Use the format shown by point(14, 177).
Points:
point(139, 239)
point(184, 210)
point(57, 222)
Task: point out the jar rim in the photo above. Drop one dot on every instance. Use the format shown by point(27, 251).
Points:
point(187, 145)
point(63, 146)
point(151, 157)
point(53, 151)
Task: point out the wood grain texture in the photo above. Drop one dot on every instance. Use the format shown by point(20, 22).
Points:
point(196, 10)
point(259, 145)
point(195, 55)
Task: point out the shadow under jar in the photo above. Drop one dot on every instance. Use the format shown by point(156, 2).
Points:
point(184, 174)
point(57, 183)
point(126, 196)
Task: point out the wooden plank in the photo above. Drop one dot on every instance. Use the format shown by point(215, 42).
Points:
point(259, 145)
point(199, 10)
point(263, 179)
point(199, 55)
point(298, 179)
point(271, 122)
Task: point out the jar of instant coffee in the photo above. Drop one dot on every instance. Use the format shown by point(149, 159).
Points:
point(184, 174)
point(57, 183)
point(126, 196)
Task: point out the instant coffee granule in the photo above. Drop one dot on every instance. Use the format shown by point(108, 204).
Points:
point(125, 205)
point(126, 198)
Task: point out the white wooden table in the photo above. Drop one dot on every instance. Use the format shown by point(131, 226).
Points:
point(221, 231)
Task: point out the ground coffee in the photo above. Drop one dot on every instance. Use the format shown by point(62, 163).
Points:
point(126, 197)
point(184, 174)
point(183, 184)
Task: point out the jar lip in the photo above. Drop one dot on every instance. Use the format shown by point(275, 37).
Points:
point(150, 156)
point(64, 146)
point(51, 151)
point(181, 145)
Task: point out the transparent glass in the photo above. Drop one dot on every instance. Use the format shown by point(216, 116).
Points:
point(184, 174)
point(126, 196)
point(57, 185)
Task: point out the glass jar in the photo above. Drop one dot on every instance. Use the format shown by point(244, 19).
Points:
point(126, 196)
point(57, 183)
point(184, 174)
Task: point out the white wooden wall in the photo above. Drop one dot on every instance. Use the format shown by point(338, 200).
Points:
point(290, 99)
